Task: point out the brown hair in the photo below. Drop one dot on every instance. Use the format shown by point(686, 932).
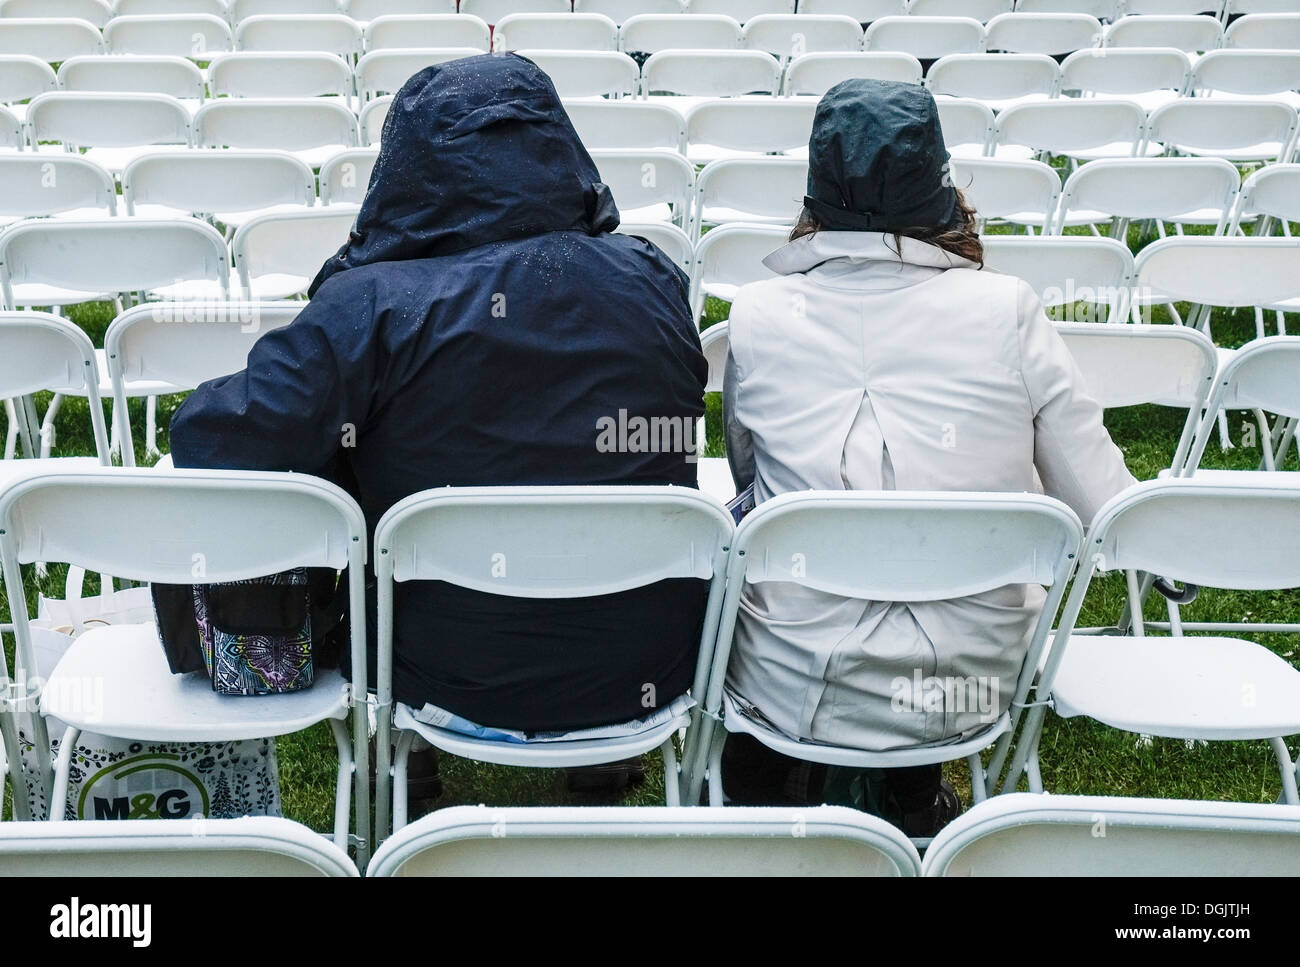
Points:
point(963, 242)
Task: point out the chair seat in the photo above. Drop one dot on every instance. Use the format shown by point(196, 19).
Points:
point(721, 290)
point(134, 388)
point(277, 285)
point(714, 475)
point(231, 219)
point(28, 294)
point(1180, 688)
point(717, 215)
point(141, 699)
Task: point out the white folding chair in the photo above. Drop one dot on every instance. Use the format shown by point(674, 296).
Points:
point(654, 184)
point(241, 10)
point(130, 8)
point(345, 177)
point(1204, 687)
point(383, 72)
point(1082, 129)
point(588, 73)
point(981, 10)
point(998, 80)
point(139, 73)
point(555, 31)
point(670, 239)
point(742, 11)
point(186, 527)
point(1031, 834)
point(1184, 191)
point(621, 11)
point(1244, 73)
point(646, 841)
point(925, 38)
point(1151, 76)
point(312, 129)
point(328, 33)
point(1265, 31)
point(196, 36)
point(278, 255)
point(651, 33)
point(114, 128)
point(1068, 271)
point(1012, 192)
point(249, 846)
point(372, 119)
point(747, 126)
point(750, 190)
point(279, 74)
point(429, 30)
point(967, 126)
point(863, 11)
point(34, 184)
point(886, 547)
point(1271, 195)
point(1097, 9)
point(715, 73)
point(11, 130)
point(787, 36)
point(815, 74)
point(714, 473)
point(1190, 34)
point(179, 346)
point(23, 77)
point(1236, 129)
point(97, 12)
point(52, 41)
point(366, 11)
point(1213, 8)
point(731, 256)
point(492, 11)
point(442, 535)
point(60, 262)
point(229, 186)
point(1043, 33)
point(626, 124)
point(1235, 8)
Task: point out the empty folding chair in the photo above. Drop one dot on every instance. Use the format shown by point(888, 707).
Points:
point(1184, 191)
point(372, 119)
point(626, 124)
point(788, 35)
point(59, 262)
point(1079, 128)
point(228, 186)
point(1150, 76)
point(1271, 195)
point(113, 127)
point(248, 846)
point(345, 177)
point(310, 128)
point(646, 841)
point(998, 80)
point(278, 255)
point(1243, 73)
point(863, 11)
point(722, 73)
point(555, 31)
point(1264, 31)
point(241, 10)
point(176, 77)
point(492, 11)
point(130, 8)
point(981, 10)
point(1032, 834)
point(742, 11)
point(621, 11)
point(1237, 8)
point(668, 238)
point(1174, 8)
point(52, 41)
point(11, 130)
point(815, 74)
point(648, 185)
point(196, 36)
point(146, 525)
point(1097, 9)
point(739, 127)
point(1013, 192)
point(1203, 687)
point(750, 190)
point(385, 71)
point(967, 126)
point(1189, 34)
point(430, 30)
point(97, 12)
point(275, 74)
point(23, 77)
point(651, 33)
point(1043, 33)
point(33, 184)
point(1089, 277)
point(364, 11)
point(925, 38)
point(1257, 129)
point(584, 73)
point(731, 256)
point(330, 33)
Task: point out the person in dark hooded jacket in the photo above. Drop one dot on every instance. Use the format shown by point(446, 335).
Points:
point(477, 326)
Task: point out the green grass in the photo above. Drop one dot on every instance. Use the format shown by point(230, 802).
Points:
point(1078, 756)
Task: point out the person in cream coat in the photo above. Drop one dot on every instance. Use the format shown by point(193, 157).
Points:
point(882, 356)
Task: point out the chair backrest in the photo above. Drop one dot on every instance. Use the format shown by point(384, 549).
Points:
point(621, 11)
point(790, 35)
point(40, 351)
point(588, 73)
point(651, 33)
point(816, 73)
point(97, 12)
point(1258, 376)
point(125, 8)
point(863, 11)
point(967, 124)
point(1019, 191)
point(139, 73)
point(372, 118)
point(626, 124)
point(277, 123)
point(493, 11)
point(1218, 271)
point(11, 130)
point(555, 31)
point(1265, 31)
point(52, 41)
point(108, 120)
point(385, 71)
point(721, 73)
point(1273, 190)
point(1066, 270)
point(730, 256)
point(994, 76)
point(184, 344)
point(715, 345)
point(289, 243)
point(241, 10)
point(1190, 34)
point(646, 841)
point(1043, 33)
point(741, 10)
point(249, 846)
point(368, 10)
point(196, 36)
point(1213, 8)
point(640, 178)
point(1027, 834)
point(46, 184)
point(751, 125)
point(208, 181)
point(1247, 72)
point(1098, 9)
point(1140, 188)
point(1198, 125)
point(1239, 7)
point(23, 76)
point(331, 33)
point(345, 177)
point(277, 74)
point(111, 254)
point(1065, 125)
point(926, 38)
point(763, 187)
point(670, 239)
point(1126, 70)
point(427, 30)
point(981, 10)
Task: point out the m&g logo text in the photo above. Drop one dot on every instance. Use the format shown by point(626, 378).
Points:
point(152, 786)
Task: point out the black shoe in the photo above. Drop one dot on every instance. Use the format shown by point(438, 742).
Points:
point(423, 781)
point(607, 777)
point(928, 821)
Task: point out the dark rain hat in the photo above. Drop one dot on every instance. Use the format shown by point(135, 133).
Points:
point(877, 161)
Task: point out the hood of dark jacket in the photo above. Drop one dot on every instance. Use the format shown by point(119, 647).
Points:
point(474, 151)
